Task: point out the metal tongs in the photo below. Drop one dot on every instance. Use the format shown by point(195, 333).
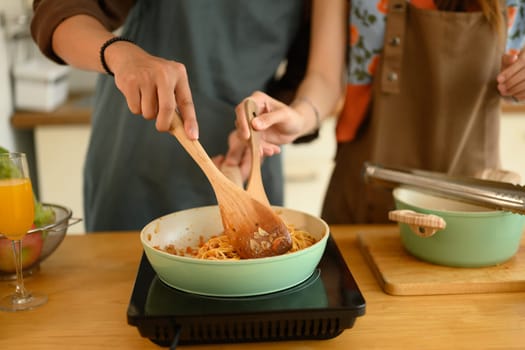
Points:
point(486, 193)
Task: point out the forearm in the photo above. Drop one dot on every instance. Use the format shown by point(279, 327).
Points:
point(49, 14)
point(317, 95)
point(77, 41)
point(323, 86)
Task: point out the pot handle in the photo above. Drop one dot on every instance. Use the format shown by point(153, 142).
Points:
point(423, 225)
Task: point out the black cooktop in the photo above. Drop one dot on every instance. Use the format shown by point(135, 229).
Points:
point(318, 308)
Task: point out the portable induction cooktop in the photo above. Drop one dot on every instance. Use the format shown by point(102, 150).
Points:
point(321, 307)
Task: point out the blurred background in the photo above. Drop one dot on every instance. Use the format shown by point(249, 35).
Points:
point(45, 112)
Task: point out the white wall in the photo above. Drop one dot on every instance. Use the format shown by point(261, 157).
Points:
point(13, 45)
point(7, 139)
point(307, 170)
point(513, 143)
point(8, 10)
point(14, 7)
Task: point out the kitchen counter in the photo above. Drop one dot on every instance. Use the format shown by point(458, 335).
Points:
point(75, 111)
point(90, 277)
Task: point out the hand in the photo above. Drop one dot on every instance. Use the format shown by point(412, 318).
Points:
point(511, 80)
point(239, 155)
point(277, 123)
point(153, 87)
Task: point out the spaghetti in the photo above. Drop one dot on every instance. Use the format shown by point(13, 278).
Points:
point(220, 248)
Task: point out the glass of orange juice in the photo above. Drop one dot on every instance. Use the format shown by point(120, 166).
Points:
point(16, 218)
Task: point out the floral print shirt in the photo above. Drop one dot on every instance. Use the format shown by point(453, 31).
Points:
point(366, 33)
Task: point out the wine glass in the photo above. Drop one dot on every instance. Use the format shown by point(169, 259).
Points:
point(16, 217)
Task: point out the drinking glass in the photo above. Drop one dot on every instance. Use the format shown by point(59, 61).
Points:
point(16, 217)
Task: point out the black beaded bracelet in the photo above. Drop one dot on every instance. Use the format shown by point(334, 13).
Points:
point(105, 46)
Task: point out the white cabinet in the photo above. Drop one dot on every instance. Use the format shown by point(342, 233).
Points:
point(60, 154)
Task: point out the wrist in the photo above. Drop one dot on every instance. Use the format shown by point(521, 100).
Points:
point(104, 56)
point(307, 108)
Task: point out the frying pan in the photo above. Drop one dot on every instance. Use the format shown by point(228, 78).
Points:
point(228, 278)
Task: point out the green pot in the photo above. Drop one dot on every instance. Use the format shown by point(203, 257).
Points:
point(473, 237)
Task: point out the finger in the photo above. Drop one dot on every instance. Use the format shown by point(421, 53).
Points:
point(266, 120)
point(508, 73)
point(508, 59)
point(270, 149)
point(514, 83)
point(241, 124)
point(515, 90)
point(184, 102)
point(236, 149)
point(518, 91)
point(502, 89)
point(132, 95)
point(218, 160)
point(166, 105)
point(266, 103)
point(246, 165)
point(148, 102)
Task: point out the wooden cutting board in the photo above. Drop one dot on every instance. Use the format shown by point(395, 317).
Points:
point(400, 273)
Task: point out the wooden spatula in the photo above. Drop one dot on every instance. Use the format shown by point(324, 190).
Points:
point(254, 229)
point(254, 186)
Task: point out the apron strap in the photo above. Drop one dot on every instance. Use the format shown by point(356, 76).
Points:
point(393, 50)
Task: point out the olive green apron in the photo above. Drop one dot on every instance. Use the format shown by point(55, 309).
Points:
point(435, 107)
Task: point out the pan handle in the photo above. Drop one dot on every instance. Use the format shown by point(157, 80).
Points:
point(423, 225)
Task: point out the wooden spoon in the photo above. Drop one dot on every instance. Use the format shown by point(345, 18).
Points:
point(254, 229)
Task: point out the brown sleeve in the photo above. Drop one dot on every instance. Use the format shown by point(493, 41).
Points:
point(48, 14)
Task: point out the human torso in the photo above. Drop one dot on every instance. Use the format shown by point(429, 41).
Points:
point(230, 48)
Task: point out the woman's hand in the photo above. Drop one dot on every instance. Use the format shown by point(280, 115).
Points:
point(277, 124)
point(239, 155)
point(511, 79)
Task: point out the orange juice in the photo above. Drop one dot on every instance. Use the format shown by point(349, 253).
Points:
point(16, 207)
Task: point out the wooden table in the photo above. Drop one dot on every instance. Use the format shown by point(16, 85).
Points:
point(90, 277)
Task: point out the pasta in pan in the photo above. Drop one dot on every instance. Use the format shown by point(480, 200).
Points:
point(219, 247)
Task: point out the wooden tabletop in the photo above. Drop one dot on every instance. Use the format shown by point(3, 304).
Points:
point(90, 277)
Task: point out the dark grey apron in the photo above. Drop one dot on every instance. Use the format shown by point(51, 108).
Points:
point(435, 107)
point(134, 174)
